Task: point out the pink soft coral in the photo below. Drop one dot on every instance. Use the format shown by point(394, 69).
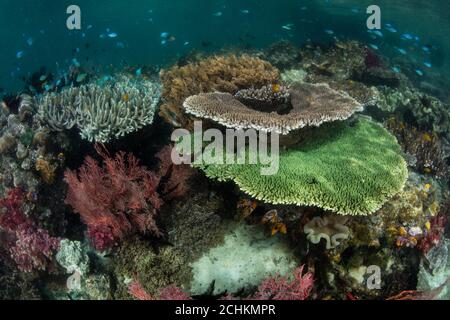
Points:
point(29, 246)
point(171, 292)
point(280, 288)
point(121, 196)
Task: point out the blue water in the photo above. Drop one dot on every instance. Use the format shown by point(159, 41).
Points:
point(33, 33)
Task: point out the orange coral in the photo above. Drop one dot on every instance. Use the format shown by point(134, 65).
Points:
point(228, 73)
point(46, 170)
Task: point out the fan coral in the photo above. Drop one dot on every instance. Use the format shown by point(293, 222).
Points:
point(332, 228)
point(30, 247)
point(344, 169)
point(102, 112)
point(228, 73)
point(171, 292)
point(122, 196)
point(280, 288)
point(312, 105)
point(115, 199)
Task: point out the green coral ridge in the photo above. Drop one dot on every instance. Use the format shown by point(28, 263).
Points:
point(345, 169)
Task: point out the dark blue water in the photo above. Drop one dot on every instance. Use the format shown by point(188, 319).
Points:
point(33, 33)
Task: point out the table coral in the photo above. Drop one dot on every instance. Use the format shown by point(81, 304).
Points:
point(228, 73)
point(344, 169)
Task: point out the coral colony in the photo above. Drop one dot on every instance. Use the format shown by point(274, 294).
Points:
point(96, 202)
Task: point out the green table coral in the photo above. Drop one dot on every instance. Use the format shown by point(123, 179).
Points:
point(345, 168)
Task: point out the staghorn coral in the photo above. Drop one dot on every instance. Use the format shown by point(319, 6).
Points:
point(312, 105)
point(328, 171)
point(332, 228)
point(102, 112)
point(228, 73)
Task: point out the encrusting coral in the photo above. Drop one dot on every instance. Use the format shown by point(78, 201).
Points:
point(102, 112)
point(332, 228)
point(344, 169)
point(312, 105)
point(228, 73)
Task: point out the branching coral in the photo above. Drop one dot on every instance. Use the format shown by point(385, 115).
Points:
point(332, 228)
point(228, 73)
point(312, 105)
point(30, 247)
point(345, 169)
point(119, 197)
point(101, 112)
point(282, 288)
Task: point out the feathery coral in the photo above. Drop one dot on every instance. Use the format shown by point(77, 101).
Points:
point(345, 169)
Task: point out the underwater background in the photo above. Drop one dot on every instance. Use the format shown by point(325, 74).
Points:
point(93, 205)
point(196, 25)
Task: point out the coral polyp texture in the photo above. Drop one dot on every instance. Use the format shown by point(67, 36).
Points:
point(102, 112)
point(345, 169)
point(312, 105)
point(227, 73)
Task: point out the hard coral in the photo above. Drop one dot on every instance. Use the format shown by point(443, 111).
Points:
point(228, 73)
point(327, 171)
point(30, 247)
point(312, 105)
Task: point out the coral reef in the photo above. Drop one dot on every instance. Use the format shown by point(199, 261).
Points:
point(245, 258)
point(102, 112)
point(312, 105)
point(332, 228)
point(328, 171)
point(228, 73)
point(29, 246)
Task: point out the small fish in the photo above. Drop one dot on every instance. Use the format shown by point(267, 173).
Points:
point(139, 72)
point(112, 35)
point(171, 39)
point(407, 36)
point(419, 72)
point(43, 78)
point(218, 14)
point(89, 26)
point(391, 29)
point(245, 11)
point(374, 46)
point(427, 64)
point(165, 35)
point(426, 49)
point(402, 51)
point(376, 32)
point(287, 26)
point(186, 43)
point(355, 10)
point(47, 87)
point(328, 31)
point(120, 44)
point(19, 54)
point(102, 36)
point(163, 42)
point(396, 69)
point(416, 38)
point(75, 62)
point(30, 41)
point(81, 77)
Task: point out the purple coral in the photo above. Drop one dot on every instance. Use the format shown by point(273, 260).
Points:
point(29, 246)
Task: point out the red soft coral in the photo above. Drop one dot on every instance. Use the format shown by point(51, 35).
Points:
point(280, 288)
point(121, 196)
point(171, 292)
point(29, 246)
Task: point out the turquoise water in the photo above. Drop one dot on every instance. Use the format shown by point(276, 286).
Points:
point(207, 26)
